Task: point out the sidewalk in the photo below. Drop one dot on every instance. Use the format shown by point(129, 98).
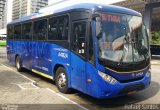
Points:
point(19, 91)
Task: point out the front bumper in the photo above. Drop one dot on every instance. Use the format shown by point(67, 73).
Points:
point(103, 89)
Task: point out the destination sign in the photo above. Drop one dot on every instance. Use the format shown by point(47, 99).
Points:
point(110, 18)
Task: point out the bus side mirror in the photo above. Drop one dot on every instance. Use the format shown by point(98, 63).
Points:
point(94, 16)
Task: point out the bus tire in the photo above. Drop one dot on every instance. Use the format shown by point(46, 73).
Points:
point(19, 64)
point(61, 80)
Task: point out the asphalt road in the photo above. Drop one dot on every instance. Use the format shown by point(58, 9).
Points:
point(150, 95)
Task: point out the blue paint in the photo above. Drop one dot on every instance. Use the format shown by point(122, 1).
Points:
point(44, 56)
point(78, 70)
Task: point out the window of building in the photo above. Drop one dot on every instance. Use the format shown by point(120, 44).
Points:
point(40, 30)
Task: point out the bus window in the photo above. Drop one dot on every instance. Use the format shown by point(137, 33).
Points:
point(27, 31)
point(58, 28)
point(63, 28)
point(52, 30)
point(10, 33)
point(40, 30)
point(79, 33)
point(17, 32)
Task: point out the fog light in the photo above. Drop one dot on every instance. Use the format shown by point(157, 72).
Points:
point(107, 77)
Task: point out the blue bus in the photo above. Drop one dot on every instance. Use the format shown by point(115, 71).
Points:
point(100, 50)
point(155, 49)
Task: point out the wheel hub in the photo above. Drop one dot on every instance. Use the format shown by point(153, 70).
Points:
point(61, 80)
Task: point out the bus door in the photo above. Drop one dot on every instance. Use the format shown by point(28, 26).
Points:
point(78, 55)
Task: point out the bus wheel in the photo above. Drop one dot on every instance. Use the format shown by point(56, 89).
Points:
point(61, 80)
point(18, 64)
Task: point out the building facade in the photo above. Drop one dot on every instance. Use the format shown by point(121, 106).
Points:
point(2, 13)
point(23, 8)
point(150, 10)
point(15, 9)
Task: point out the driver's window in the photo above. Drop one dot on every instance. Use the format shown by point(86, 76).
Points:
point(78, 41)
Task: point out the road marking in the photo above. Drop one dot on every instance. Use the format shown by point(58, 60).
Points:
point(47, 88)
point(154, 62)
point(67, 99)
point(21, 85)
point(19, 73)
point(23, 88)
point(35, 86)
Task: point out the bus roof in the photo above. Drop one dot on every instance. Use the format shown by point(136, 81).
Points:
point(67, 6)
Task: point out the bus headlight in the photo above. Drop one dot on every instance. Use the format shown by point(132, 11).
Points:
point(107, 78)
point(148, 73)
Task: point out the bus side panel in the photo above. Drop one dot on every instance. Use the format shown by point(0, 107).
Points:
point(13, 49)
point(17, 50)
point(34, 55)
point(93, 86)
point(10, 52)
point(42, 59)
point(78, 73)
point(44, 55)
point(60, 56)
point(26, 54)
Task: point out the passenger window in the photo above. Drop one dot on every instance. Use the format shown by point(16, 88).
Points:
point(17, 32)
point(58, 28)
point(27, 31)
point(52, 29)
point(40, 30)
point(63, 28)
point(79, 33)
point(10, 32)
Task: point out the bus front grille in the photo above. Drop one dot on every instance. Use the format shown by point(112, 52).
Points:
point(132, 88)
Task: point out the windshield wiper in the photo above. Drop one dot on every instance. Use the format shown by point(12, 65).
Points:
point(125, 41)
point(142, 50)
point(132, 37)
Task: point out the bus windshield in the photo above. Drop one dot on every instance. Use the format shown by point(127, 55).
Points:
point(121, 38)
